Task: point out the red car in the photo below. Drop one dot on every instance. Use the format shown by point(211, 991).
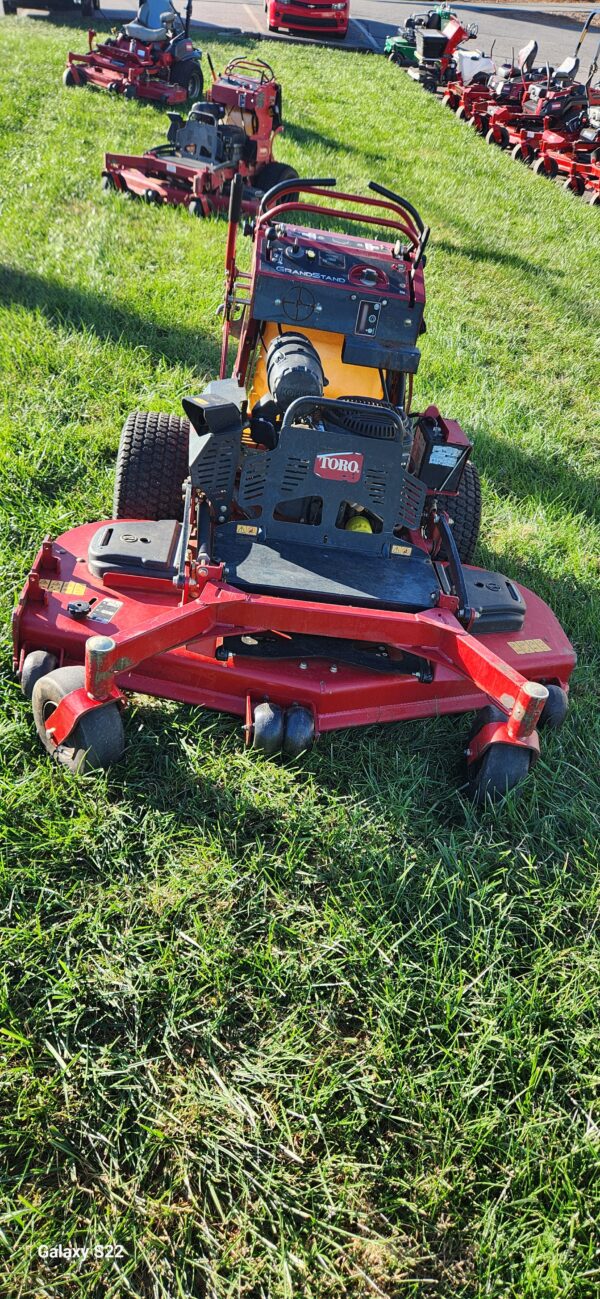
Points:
point(327, 17)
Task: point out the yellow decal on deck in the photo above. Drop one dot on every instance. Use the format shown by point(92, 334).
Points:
point(63, 588)
point(529, 646)
point(247, 530)
point(401, 550)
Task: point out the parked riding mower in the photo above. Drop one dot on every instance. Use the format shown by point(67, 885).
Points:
point(230, 133)
point(152, 58)
point(301, 560)
point(578, 161)
point(402, 48)
point(558, 103)
point(436, 53)
point(471, 95)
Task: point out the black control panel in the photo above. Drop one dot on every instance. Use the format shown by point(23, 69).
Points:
point(342, 284)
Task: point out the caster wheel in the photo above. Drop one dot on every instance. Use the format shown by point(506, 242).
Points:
point(555, 708)
point(69, 78)
point(520, 153)
point(298, 731)
point(37, 664)
point(195, 208)
point(461, 113)
point(151, 196)
point(490, 138)
point(595, 200)
point(129, 194)
point(114, 87)
point(480, 124)
point(107, 184)
point(130, 92)
point(541, 167)
point(97, 740)
point(502, 768)
point(267, 735)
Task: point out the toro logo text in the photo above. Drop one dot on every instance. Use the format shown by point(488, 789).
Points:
point(344, 465)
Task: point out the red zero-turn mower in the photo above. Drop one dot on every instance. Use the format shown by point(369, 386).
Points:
point(151, 58)
point(231, 133)
point(558, 104)
point(471, 95)
point(301, 560)
point(578, 161)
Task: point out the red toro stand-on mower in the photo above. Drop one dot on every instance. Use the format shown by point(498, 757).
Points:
point(231, 133)
point(301, 560)
point(151, 58)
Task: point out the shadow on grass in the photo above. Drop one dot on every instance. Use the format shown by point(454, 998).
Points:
point(65, 304)
point(526, 475)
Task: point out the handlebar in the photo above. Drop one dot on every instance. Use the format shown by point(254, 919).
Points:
point(254, 66)
point(274, 204)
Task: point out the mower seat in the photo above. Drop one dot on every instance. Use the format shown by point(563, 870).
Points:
point(566, 70)
point(147, 35)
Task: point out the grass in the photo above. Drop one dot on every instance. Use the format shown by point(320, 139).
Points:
point(312, 1029)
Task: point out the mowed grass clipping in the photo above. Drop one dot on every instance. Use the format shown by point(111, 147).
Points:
point(312, 1029)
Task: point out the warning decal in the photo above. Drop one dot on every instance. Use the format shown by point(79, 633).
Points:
point(529, 646)
point(62, 588)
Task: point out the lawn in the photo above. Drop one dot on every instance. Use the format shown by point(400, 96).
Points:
point(312, 1029)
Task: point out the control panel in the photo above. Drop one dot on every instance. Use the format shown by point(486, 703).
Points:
point(342, 284)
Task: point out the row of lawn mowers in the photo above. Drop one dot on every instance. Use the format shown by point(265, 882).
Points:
point(230, 132)
point(297, 548)
point(543, 115)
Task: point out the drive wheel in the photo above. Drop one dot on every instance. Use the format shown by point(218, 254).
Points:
point(152, 464)
point(267, 731)
point(273, 174)
point(37, 664)
point(189, 75)
point(98, 739)
point(465, 511)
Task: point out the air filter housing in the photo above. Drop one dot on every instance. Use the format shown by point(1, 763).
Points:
point(293, 369)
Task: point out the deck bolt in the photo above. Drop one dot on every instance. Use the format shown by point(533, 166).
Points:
point(333, 668)
point(303, 667)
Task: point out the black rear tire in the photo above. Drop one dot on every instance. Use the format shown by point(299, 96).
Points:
point(465, 511)
point(273, 174)
point(189, 75)
point(98, 739)
point(152, 464)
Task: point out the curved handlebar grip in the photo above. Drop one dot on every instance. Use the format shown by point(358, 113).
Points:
point(396, 198)
point(295, 185)
point(235, 199)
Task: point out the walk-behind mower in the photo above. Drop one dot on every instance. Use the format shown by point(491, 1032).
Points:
point(151, 58)
point(437, 53)
point(402, 48)
point(298, 550)
point(231, 133)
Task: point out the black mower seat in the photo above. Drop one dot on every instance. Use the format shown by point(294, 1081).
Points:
point(336, 576)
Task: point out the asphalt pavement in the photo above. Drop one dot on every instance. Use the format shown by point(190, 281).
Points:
point(507, 29)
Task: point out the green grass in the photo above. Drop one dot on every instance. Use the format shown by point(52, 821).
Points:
point(313, 1029)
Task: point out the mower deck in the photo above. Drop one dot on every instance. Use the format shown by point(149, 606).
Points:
point(424, 663)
